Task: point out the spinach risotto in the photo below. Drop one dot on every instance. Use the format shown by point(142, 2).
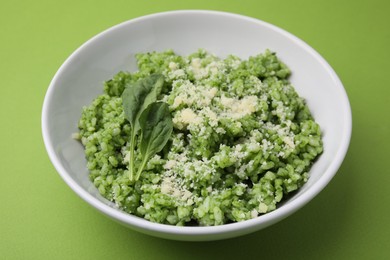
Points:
point(199, 140)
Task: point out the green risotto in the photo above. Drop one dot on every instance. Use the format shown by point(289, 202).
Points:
point(199, 140)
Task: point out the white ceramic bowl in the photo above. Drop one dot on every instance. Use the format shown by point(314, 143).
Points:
point(80, 79)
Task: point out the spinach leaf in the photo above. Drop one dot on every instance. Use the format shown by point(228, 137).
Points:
point(135, 98)
point(156, 126)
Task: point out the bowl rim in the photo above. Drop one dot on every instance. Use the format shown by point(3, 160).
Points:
point(261, 221)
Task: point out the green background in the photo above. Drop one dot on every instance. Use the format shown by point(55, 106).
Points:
point(41, 218)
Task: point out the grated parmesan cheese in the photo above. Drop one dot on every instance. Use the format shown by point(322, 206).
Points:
point(238, 108)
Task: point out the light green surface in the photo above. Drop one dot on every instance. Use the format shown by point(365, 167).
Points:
point(41, 218)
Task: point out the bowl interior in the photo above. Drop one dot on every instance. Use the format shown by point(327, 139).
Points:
point(81, 77)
